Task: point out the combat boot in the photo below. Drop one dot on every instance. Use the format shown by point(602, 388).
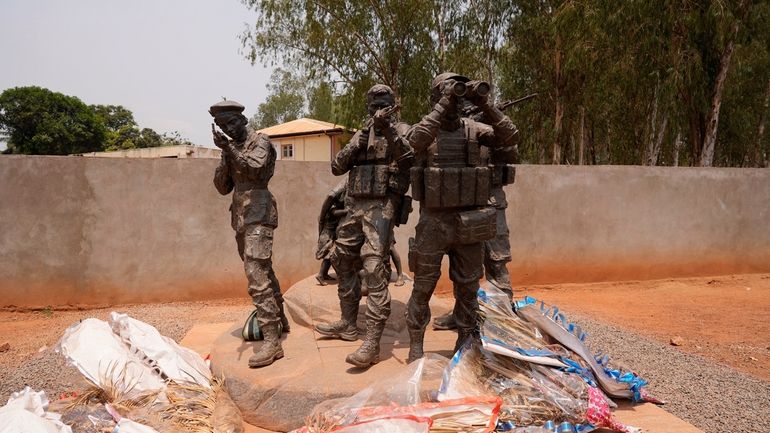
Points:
point(416, 338)
point(270, 350)
point(345, 328)
point(445, 322)
point(369, 352)
point(463, 334)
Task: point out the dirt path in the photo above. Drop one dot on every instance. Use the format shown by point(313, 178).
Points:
point(725, 318)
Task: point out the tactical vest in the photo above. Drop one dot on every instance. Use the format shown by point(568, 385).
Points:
point(502, 173)
point(454, 175)
point(370, 177)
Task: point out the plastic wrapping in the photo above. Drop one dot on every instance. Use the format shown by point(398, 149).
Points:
point(405, 424)
point(177, 363)
point(27, 412)
point(504, 333)
point(143, 381)
point(88, 418)
point(531, 394)
point(410, 394)
point(106, 361)
point(616, 381)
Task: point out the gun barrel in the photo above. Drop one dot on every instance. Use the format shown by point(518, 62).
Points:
point(506, 104)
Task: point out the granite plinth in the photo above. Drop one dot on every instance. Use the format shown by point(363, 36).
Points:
point(279, 397)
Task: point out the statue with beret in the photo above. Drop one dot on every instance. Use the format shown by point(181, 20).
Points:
point(245, 169)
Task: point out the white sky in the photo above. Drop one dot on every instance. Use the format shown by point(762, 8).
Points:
point(165, 60)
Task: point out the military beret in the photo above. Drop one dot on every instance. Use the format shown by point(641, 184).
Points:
point(226, 107)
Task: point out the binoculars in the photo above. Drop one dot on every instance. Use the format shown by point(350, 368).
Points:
point(479, 88)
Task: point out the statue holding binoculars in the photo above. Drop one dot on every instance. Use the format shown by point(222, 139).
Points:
point(453, 183)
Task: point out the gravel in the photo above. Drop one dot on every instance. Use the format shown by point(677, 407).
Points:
point(711, 396)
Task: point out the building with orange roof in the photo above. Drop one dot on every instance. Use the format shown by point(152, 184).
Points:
point(308, 139)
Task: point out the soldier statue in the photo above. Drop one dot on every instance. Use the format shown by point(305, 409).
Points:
point(375, 159)
point(246, 166)
point(453, 185)
point(332, 211)
point(497, 251)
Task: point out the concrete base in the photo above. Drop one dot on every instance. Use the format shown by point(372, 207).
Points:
point(313, 370)
point(279, 397)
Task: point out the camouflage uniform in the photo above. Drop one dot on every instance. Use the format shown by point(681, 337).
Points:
point(254, 217)
point(497, 251)
point(453, 185)
point(245, 169)
point(331, 213)
point(373, 159)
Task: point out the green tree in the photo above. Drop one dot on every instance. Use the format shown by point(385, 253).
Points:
point(321, 103)
point(41, 122)
point(354, 44)
point(114, 117)
point(285, 102)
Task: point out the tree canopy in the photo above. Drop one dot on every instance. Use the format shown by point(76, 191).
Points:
point(37, 121)
point(635, 82)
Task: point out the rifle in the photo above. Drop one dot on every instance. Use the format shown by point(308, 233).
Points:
point(386, 112)
point(504, 105)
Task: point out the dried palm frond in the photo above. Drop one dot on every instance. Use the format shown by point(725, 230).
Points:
point(116, 390)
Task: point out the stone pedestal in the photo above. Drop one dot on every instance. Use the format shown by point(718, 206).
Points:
point(279, 397)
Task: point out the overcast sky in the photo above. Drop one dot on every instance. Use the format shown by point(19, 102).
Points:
point(165, 60)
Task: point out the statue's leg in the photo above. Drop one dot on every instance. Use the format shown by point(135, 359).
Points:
point(376, 226)
point(345, 258)
point(425, 260)
point(257, 251)
point(497, 253)
point(465, 269)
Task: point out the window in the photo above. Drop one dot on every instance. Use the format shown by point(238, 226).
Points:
point(287, 151)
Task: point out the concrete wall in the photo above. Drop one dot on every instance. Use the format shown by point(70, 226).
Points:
point(103, 231)
point(181, 151)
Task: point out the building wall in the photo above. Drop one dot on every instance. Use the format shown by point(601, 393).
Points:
point(306, 147)
point(184, 151)
point(101, 231)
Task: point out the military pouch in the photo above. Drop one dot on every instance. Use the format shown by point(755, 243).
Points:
point(368, 181)
point(398, 181)
point(453, 187)
point(509, 174)
point(497, 175)
point(259, 243)
point(476, 225)
point(418, 183)
point(405, 210)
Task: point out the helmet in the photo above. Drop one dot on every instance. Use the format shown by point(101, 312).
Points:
point(379, 90)
point(435, 93)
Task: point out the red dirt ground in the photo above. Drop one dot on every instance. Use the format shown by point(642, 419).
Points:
point(725, 318)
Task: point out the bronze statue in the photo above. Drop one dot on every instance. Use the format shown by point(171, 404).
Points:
point(332, 211)
point(497, 251)
point(377, 160)
point(247, 164)
point(453, 185)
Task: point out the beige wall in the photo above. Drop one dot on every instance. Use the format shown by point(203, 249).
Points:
point(102, 231)
point(182, 151)
point(307, 147)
